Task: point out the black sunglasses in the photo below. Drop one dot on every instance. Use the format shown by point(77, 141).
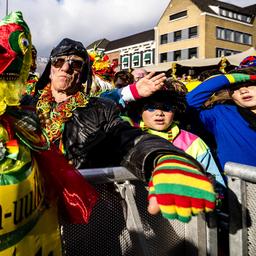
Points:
point(164, 107)
point(76, 65)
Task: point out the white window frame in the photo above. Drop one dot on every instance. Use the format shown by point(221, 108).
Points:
point(145, 60)
point(137, 63)
point(125, 65)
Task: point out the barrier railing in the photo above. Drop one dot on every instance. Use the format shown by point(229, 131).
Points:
point(120, 224)
point(242, 208)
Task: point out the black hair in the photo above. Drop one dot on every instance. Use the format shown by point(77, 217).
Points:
point(125, 76)
point(173, 92)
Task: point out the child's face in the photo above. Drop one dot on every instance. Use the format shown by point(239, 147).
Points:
point(158, 116)
point(245, 97)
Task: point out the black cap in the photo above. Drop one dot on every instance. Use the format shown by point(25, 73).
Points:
point(70, 47)
point(64, 48)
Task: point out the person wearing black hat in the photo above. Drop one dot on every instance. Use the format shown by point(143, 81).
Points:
point(91, 133)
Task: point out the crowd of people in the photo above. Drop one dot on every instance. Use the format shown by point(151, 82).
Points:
point(136, 119)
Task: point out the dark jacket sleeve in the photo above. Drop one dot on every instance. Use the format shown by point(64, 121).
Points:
point(96, 136)
point(143, 157)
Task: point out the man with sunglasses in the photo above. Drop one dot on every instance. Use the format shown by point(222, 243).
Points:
point(91, 133)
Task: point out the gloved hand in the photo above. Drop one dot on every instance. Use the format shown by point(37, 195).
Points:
point(179, 189)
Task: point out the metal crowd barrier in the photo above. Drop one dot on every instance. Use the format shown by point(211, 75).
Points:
point(120, 224)
point(242, 208)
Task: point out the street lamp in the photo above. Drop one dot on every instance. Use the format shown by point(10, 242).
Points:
point(6, 7)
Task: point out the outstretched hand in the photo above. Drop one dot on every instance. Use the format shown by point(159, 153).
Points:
point(179, 189)
point(150, 84)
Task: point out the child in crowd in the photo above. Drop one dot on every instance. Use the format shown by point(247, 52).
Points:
point(156, 115)
point(233, 124)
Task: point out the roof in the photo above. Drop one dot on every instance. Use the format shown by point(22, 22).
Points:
point(141, 37)
point(101, 43)
point(251, 9)
point(204, 6)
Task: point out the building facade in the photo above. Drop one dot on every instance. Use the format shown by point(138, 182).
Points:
point(188, 29)
point(133, 51)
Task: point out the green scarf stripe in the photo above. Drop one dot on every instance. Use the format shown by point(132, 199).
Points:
point(175, 157)
point(182, 168)
point(176, 216)
point(183, 190)
point(240, 77)
point(12, 238)
point(15, 176)
point(168, 157)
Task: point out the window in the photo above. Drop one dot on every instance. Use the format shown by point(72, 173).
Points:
point(164, 39)
point(233, 36)
point(147, 58)
point(235, 15)
point(177, 36)
point(225, 52)
point(247, 39)
point(229, 35)
point(125, 62)
point(177, 15)
point(192, 52)
point(163, 57)
point(136, 60)
point(177, 55)
point(248, 19)
point(230, 14)
point(220, 33)
point(238, 37)
point(220, 52)
point(228, 52)
point(223, 12)
point(192, 32)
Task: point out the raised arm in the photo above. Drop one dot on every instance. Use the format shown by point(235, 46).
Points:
point(201, 93)
point(143, 88)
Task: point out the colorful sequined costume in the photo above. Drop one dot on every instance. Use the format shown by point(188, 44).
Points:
point(28, 213)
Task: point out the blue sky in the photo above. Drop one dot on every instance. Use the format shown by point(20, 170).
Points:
point(88, 20)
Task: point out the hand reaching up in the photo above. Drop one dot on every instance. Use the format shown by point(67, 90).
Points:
point(150, 83)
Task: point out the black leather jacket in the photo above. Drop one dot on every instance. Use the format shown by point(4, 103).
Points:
point(96, 136)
